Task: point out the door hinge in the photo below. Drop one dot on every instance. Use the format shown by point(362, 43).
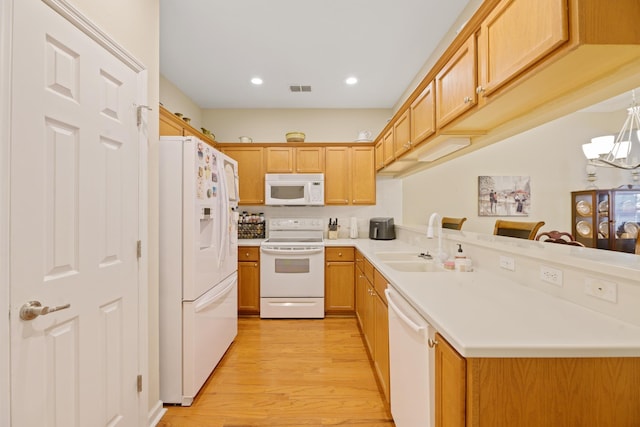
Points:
point(139, 383)
point(139, 249)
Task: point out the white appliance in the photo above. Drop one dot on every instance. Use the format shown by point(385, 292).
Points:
point(292, 269)
point(411, 364)
point(198, 264)
point(294, 189)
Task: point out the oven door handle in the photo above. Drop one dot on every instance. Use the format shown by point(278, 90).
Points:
point(305, 251)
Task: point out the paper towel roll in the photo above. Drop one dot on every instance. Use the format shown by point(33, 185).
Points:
point(353, 228)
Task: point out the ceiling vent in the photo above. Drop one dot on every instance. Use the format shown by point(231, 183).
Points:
point(299, 88)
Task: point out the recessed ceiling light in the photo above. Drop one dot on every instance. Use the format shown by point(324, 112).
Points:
point(256, 81)
point(351, 80)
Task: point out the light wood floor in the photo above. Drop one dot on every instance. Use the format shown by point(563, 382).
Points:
point(289, 372)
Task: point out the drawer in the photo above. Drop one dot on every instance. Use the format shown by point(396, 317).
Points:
point(339, 254)
point(368, 270)
point(248, 253)
point(380, 284)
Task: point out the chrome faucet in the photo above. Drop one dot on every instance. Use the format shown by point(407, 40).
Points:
point(440, 256)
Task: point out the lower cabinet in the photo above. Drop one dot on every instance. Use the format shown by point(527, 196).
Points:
point(339, 269)
point(450, 386)
point(248, 280)
point(535, 392)
point(371, 311)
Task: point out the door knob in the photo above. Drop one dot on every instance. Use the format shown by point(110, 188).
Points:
point(33, 309)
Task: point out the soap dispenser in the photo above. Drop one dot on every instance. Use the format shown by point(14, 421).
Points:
point(460, 259)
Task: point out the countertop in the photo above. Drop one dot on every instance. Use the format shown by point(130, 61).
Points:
point(484, 315)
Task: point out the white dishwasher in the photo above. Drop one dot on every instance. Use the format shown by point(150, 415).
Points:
point(412, 364)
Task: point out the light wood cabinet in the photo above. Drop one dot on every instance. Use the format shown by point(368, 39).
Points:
point(379, 150)
point(248, 280)
point(387, 147)
point(350, 175)
point(172, 125)
point(336, 177)
point(363, 176)
point(339, 277)
point(450, 385)
point(402, 134)
point(251, 172)
point(534, 392)
point(456, 84)
point(294, 159)
point(541, 26)
point(279, 160)
point(372, 315)
point(309, 159)
point(423, 115)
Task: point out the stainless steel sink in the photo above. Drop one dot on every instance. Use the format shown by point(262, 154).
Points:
point(419, 266)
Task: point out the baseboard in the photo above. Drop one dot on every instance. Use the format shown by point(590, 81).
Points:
point(155, 415)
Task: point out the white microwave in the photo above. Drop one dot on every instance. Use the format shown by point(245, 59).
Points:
point(294, 189)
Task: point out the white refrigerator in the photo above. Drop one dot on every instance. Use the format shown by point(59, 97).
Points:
point(198, 250)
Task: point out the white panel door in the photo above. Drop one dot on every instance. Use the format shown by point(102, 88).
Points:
point(74, 226)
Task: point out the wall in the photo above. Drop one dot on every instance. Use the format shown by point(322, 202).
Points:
point(550, 154)
point(177, 102)
point(135, 26)
point(389, 204)
point(271, 125)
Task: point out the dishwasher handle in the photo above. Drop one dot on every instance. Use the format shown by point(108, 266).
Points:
point(413, 325)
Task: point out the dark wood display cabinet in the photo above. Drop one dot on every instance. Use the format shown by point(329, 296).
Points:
point(606, 219)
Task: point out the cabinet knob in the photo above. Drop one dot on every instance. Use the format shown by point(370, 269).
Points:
point(255, 265)
point(479, 90)
point(247, 254)
point(467, 99)
point(339, 253)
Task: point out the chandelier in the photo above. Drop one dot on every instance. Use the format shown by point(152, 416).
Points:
point(622, 151)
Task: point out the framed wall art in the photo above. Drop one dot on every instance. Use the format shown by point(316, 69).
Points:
point(504, 195)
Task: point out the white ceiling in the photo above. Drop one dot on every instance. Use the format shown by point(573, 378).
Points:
point(210, 49)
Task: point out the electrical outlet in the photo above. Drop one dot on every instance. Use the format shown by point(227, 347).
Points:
point(551, 275)
point(507, 263)
point(602, 289)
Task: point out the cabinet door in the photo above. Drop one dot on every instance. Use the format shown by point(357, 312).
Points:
point(456, 84)
point(423, 115)
point(381, 343)
point(309, 159)
point(279, 160)
point(361, 296)
point(402, 134)
point(517, 34)
point(168, 125)
point(379, 155)
point(387, 147)
point(451, 373)
point(248, 287)
point(251, 173)
point(339, 287)
point(337, 173)
point(363, 176)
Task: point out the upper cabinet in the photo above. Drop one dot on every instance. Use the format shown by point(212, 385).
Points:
point(423, 118)
point(541, 25)
point(350, 175)
point(250, 171)
point(294, 159)
point(518, 64)
point(402, 134)
point(456, 84)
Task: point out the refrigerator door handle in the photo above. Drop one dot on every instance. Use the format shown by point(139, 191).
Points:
point(202, 305)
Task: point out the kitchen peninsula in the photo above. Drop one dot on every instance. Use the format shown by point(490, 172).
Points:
point(530, 352)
